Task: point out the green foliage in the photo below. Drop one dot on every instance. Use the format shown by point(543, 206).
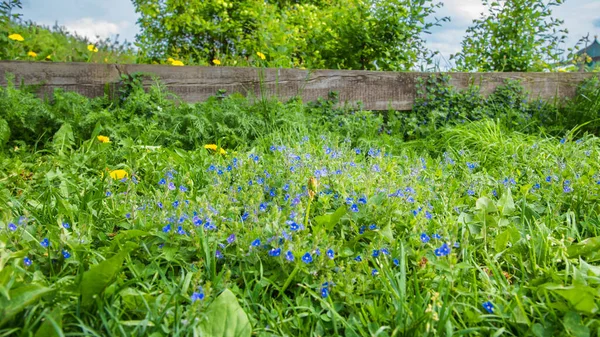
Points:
point(135, 259)
point(353, 34)
point(226, 318)
point(514, 35)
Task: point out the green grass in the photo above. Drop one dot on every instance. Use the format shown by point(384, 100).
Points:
point(122, 266)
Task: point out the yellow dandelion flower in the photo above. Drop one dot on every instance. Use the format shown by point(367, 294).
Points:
point(119, 174)
point(217, 62)
point(16, 37)
point(49, 57)
point(211, 147)
point(103, 139)
point(31, 54)
point(170, 60)
point(92, 48)
point(221, 151)
point(177, 63)
point(261, 55)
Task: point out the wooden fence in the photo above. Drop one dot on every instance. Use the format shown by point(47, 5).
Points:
point(376, 90)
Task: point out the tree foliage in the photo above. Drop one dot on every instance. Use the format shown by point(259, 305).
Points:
point(515, 35)
point(346, 34)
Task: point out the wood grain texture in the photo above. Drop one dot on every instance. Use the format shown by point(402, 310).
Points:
point(375, 90)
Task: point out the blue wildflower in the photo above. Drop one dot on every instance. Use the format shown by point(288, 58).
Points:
point(198, 296)
point(180, 230)
point(162, 181)
point(45, 243)
point(362, 200)
point(436, 236)
point(275, 252)
point(307, 258)
point(330, 253)
point(231, 239)
point(255, 243)
point(358, 258)
point(374, 272)
point(294, 226)
point(218, 254)
point(66, 225)
point(362, 229)
point(385, 251)
point(171, 186)
point(372, 227)
point(245, 216)
point(183, 188)
point(108, 193)
point(456, 244)
point(12, 227)
point(354, 208)
point(376, 252)
point(548, 179)
point(289, 256)
point(167, 228)
point(159, 204)
point(175, 203)
point(66, 254)
point(27, 261)
point(396, 262)
point(444, 250)
point(488, 306)
point(324, 292)
point(428, 215)
point(425, 238)
point(128, 215)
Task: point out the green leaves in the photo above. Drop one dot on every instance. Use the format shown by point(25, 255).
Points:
point(580, 297)
point(99, 277)
point(511, 234)
point(588, 248)
point(506, 203)
point(19, 299)
point(63, 138)
point(226, 318)
point(485, 205)
point(329, 220)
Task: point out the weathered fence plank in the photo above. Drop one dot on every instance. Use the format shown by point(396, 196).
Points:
point(376, 90)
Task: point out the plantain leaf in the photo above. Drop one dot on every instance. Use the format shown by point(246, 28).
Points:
point(99, 277)
point(226, 318)
point(20, 298)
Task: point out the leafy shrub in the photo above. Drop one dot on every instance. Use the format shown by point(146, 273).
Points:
point(515, 35)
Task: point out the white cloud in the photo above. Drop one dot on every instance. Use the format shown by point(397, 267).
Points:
point(93, 28)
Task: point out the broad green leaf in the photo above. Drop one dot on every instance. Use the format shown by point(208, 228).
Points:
point(387, 233)
point(63, 138)
point(20, 298)
point(51, 324)
point(574, 326)
point(486, 205)
point(510, 234)
point(589, 248)
point(329, 220)
point(226, 318)
point(582, 298)
point(99, 277)
point(506, 203)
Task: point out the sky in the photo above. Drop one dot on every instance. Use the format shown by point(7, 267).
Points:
point(107, 18)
